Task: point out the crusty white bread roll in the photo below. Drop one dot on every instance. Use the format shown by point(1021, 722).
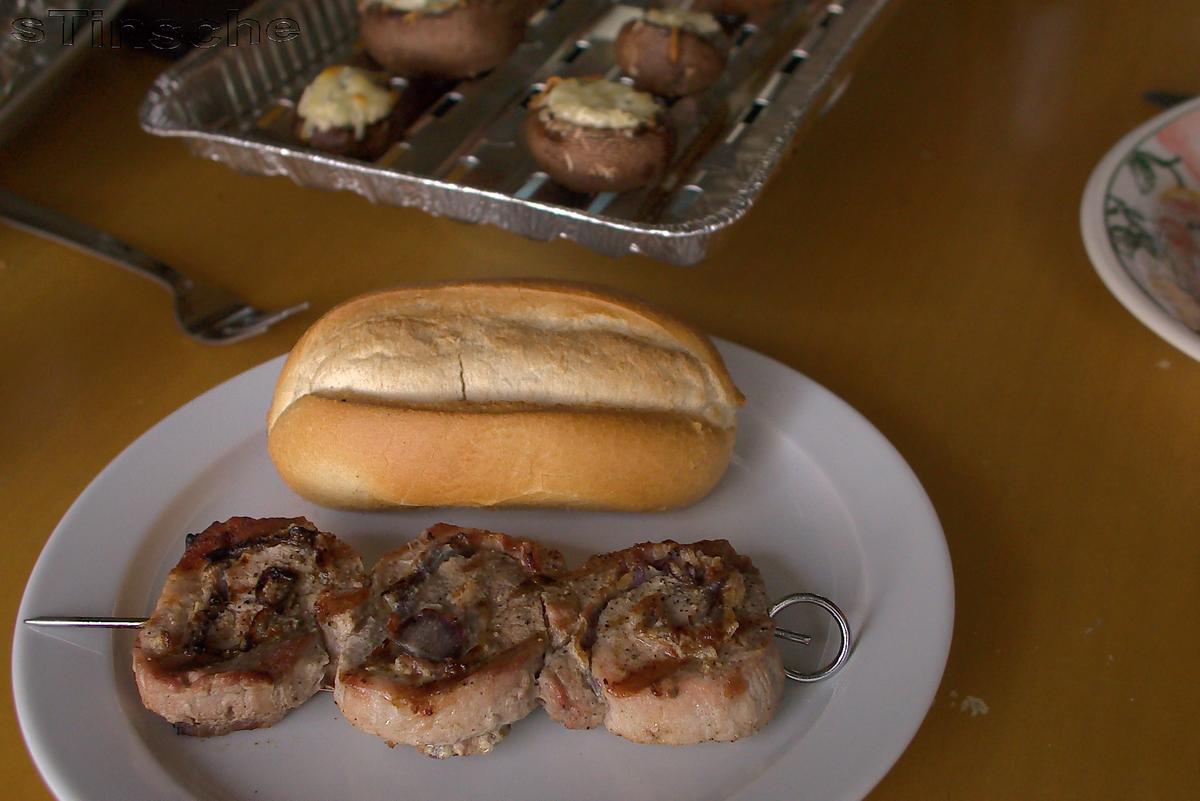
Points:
point(502, 394)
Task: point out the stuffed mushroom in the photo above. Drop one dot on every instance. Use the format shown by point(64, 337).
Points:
point(441, 38)
point(594, 135)
point(671, 52)
point(346, 112)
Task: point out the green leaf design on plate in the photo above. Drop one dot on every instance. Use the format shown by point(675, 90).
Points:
point(1129, 233)
point(1142, 164)
point(1143, 172)
point(1130, 240)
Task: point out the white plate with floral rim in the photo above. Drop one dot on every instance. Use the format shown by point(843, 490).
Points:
point(1141, 224)
point(815, 496)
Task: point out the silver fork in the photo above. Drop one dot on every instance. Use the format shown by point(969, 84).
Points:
point(204, 312)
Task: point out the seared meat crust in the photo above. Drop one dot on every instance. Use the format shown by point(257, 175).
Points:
point(457, 635)
point(236, 640)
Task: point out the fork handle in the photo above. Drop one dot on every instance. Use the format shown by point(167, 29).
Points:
point(71, 232)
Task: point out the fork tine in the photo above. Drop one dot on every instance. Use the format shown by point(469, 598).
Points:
point(239, 326)
point(224, 318)
point(268, 319)
point(209, 326)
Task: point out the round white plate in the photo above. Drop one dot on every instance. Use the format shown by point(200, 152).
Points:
point(815, 496)
point(1140, 218)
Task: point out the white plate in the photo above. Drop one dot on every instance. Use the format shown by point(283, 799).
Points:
point(815, 495)
point(1140, 218)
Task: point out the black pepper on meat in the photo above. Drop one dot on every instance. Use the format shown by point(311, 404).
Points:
point(451, 645)
point(237, 639)
point(663, 642)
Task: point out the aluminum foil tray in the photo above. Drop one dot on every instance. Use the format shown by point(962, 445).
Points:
point(461, 155)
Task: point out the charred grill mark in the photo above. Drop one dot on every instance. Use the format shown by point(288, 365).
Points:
point(276, 588)
point(202, 623)
point(235, 640)
point(197, 644)
point(295, 534)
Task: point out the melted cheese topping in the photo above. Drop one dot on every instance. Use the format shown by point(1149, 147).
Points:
point(343, 97)
point(599, 104)
point(695, 21)
point(423, 6)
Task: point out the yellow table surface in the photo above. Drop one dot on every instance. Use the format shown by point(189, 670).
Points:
point(920, 256)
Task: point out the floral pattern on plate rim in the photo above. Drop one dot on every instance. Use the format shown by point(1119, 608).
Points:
point(1152, 216)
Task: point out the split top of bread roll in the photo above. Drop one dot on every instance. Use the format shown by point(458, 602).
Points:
point(485, 343)
point(599, 378)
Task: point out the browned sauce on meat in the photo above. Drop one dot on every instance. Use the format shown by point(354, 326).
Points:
point(637, 680)
point(423, 698)
point(735, 685)
point(333, 605)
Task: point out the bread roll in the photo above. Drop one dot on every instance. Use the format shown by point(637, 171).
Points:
point(502, 394)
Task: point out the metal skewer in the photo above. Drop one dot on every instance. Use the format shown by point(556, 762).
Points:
point(782, 633)
point(138, 622)
point(61, 622)
point(86, 622)
point(786, 634)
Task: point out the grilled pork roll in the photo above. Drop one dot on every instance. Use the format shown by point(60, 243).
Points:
point(663, 643)
point(236, 640)
point(446, 653)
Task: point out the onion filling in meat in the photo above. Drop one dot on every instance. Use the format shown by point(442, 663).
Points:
point(447, 655)
point(663, 643)
point(457, 635)
point(235, 641)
